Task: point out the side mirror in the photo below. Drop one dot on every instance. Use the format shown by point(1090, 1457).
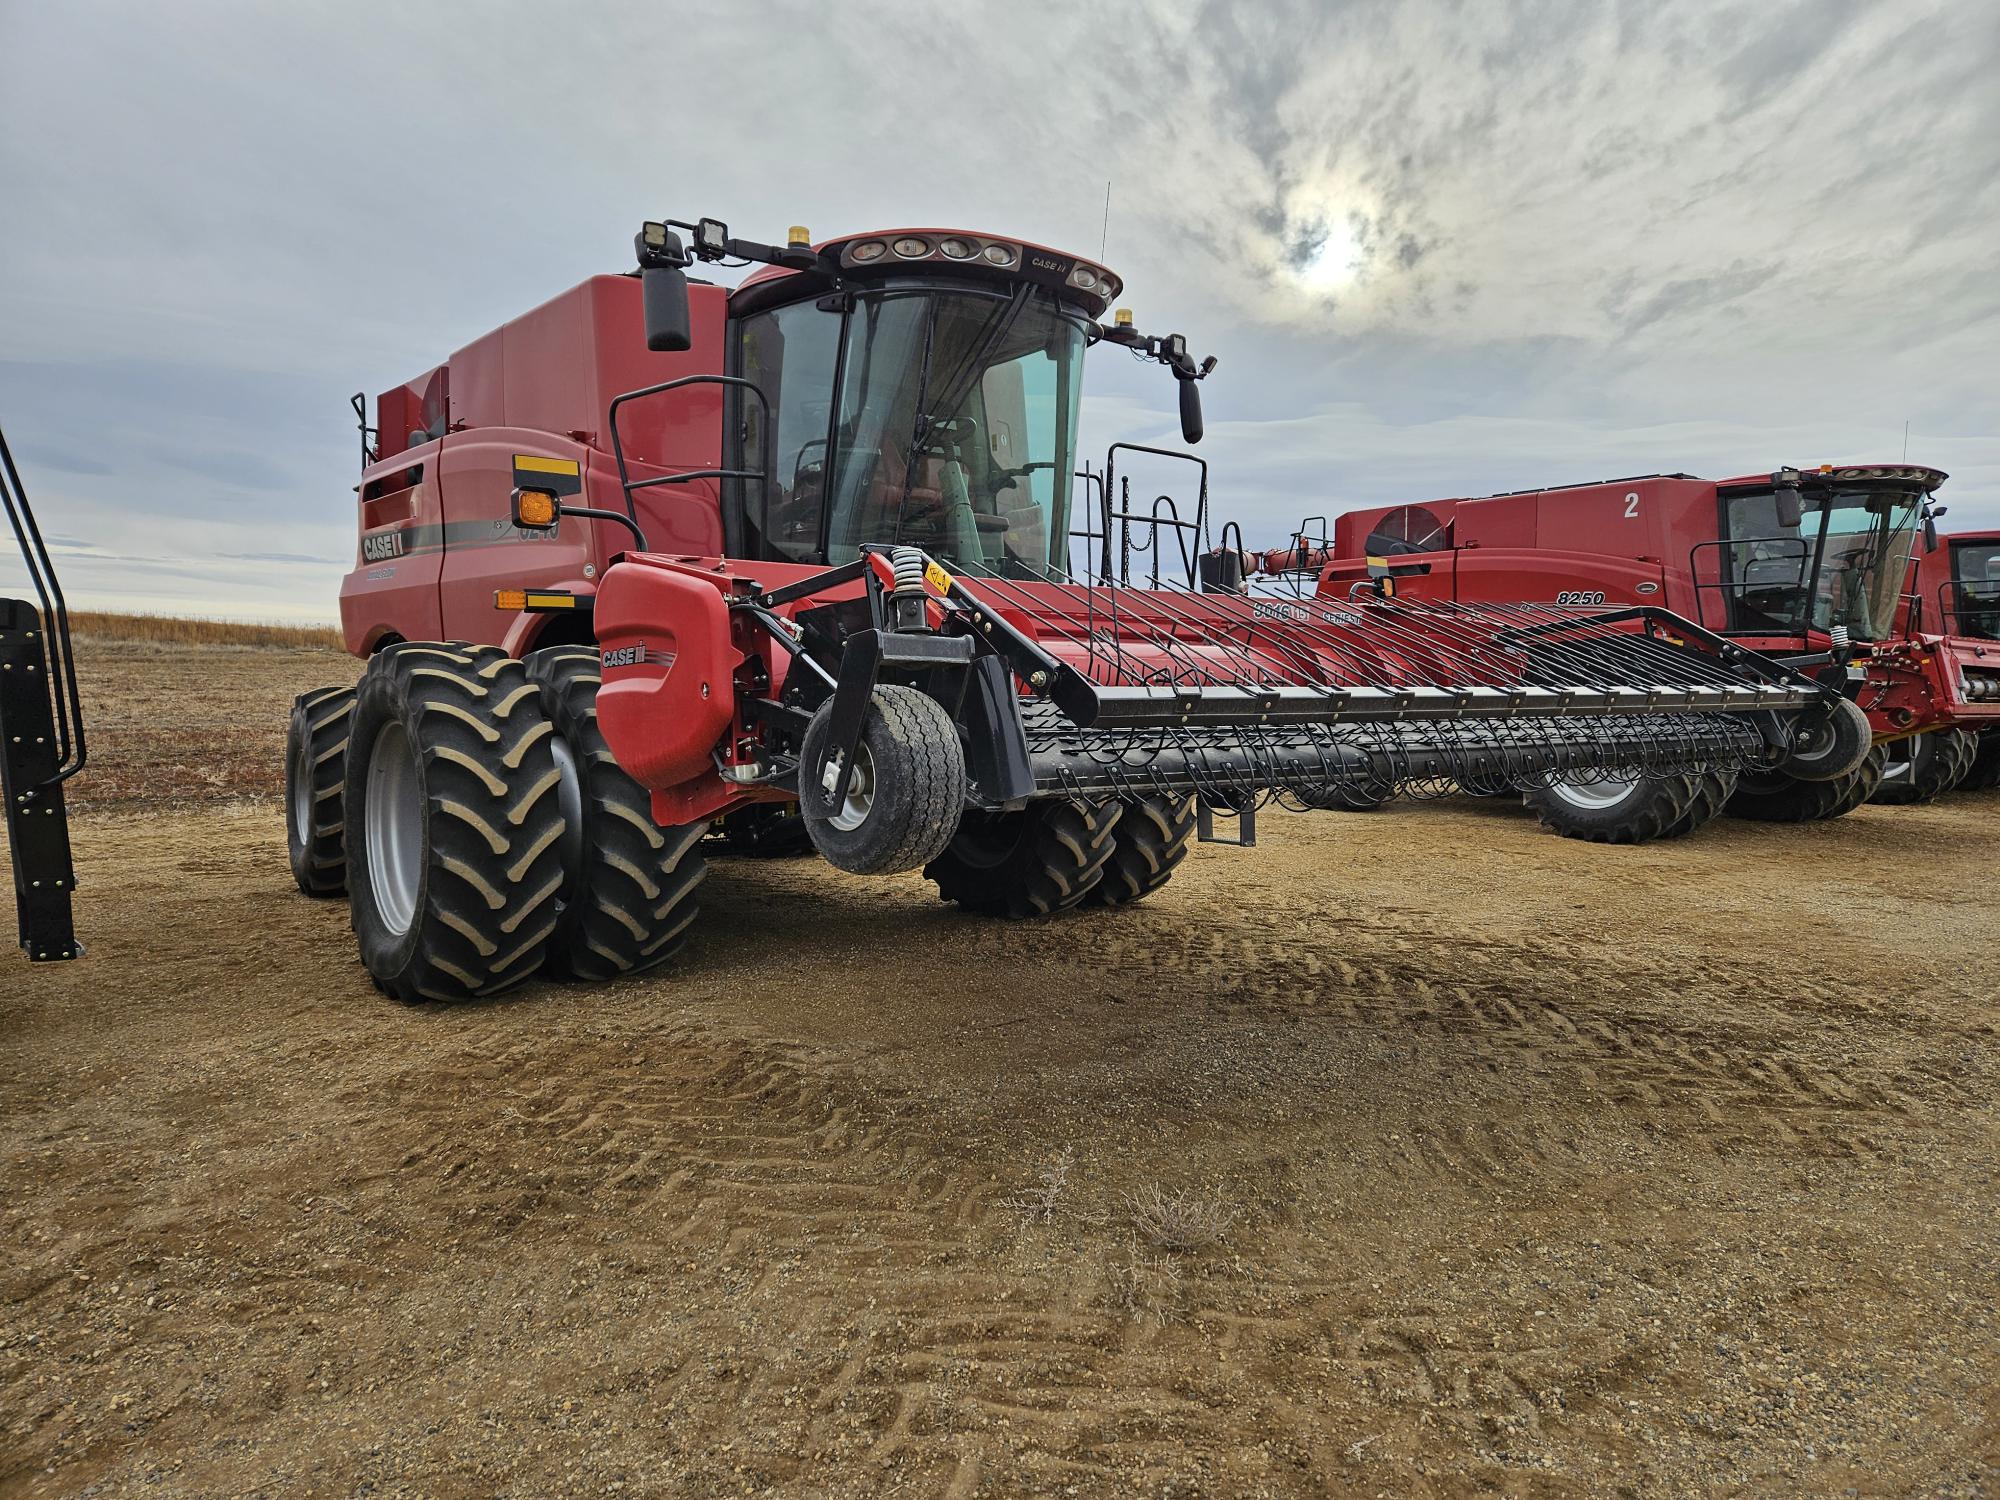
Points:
point(669, 324)
point(1930, 534)
point(1190, 412)
point(1791, 510)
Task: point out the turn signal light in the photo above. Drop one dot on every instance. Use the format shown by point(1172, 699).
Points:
point(535, 509)
point(510, 599)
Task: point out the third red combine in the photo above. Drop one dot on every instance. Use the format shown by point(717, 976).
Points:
point(1804, 567)
point(1952, 611)
point(661, 552)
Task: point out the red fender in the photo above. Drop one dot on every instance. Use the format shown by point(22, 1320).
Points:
point(669, 670)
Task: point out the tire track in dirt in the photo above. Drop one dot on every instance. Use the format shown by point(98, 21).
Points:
point(1596, 1028)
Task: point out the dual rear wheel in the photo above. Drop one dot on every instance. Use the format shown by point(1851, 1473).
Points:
point(485, 833)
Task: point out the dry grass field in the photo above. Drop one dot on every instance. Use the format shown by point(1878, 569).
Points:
point(1411, 1154)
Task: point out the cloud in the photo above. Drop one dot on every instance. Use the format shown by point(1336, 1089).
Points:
point(1571, 235)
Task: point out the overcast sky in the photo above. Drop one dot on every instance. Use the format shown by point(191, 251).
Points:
point(1440, 249)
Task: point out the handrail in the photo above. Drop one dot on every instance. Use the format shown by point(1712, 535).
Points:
point(631, 487)
point(1087, 536)
point(1725, 585)
point(70, 748)
point(1198, 527)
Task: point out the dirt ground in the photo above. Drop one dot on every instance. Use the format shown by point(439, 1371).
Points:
point(1540, 1169)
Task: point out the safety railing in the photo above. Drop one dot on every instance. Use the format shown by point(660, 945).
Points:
point(1189, 535)
point(631, 486)
point(1790, 589)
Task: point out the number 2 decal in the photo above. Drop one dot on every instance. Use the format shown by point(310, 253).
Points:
point(1632, 506)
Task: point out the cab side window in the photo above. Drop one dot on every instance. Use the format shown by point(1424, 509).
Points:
point(790, 353)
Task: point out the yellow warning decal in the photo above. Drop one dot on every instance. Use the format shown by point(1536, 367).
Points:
point(535, 464)
point(937, 578)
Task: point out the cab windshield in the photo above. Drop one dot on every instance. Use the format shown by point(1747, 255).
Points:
point(944, 419)
point(1844, 564)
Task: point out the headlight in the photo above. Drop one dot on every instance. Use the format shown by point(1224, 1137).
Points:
point(910, 247)
point(1106, 290)
point(1084, 276)
point(956, 249)
point(868, 250)
point(999, 255)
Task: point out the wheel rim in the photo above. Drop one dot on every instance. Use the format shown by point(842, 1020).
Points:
point(395, 829)
point(1595, 795)
point(1903, 768)
point(302, 795)
point(569, 797)
point(860, 799)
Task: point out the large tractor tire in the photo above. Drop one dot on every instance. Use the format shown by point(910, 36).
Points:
point(1615, 810)
point(1033, 863)
point(455, 823)
point(629, 885)
point(315, 777)
point(904, 794)
point(1148, 841)
point(1712, 790)
point(1924, 767)
point(1778, 798)
point(769, 830)
point(1985, 773)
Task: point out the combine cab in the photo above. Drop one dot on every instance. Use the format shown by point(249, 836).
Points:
point(1804, 568)
point(41, 736)
point(662, 553)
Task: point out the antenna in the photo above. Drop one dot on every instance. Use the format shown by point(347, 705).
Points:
point(1104, 237)
point(1906, 440)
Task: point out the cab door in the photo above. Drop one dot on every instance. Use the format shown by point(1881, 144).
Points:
point(483, 550)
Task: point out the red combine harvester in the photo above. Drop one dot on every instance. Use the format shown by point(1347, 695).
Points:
point(1954, 592)
point(660, 552)
point(1803, 567)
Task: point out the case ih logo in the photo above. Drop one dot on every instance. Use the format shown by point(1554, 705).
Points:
point(637, 656)
point(1049, 263)
point(382, 546)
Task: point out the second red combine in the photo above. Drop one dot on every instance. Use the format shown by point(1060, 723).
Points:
point(1804, 567)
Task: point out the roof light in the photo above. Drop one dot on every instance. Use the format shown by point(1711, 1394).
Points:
point(1123, 317)
point(867, 250)
point(1106, 290)
point(910, 247)
point(999, 255)
point(1084, 276)
point(956, 249)
point(797, 237)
